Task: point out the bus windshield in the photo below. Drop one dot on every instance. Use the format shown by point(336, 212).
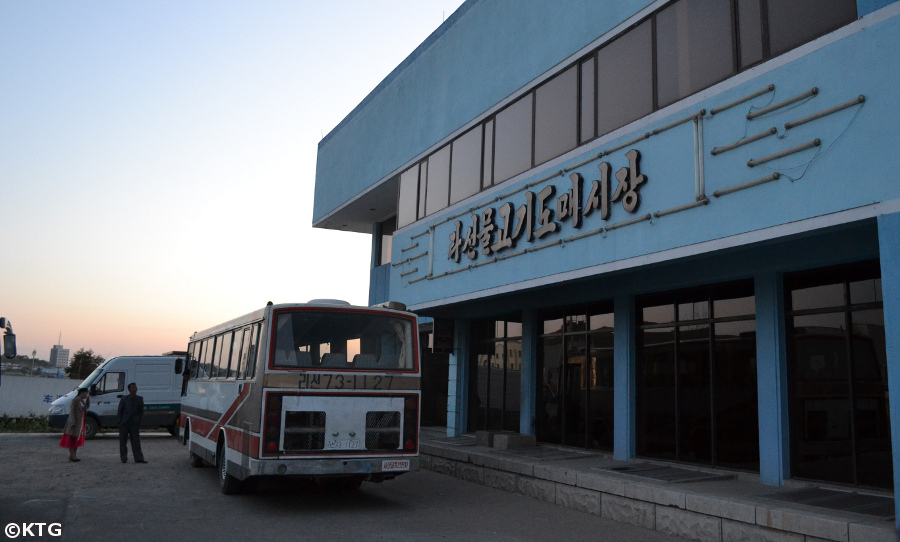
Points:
point(328, 339)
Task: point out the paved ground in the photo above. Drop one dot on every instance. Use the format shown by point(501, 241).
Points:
point(100, 498)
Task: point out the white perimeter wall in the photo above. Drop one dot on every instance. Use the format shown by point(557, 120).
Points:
point(23, 395)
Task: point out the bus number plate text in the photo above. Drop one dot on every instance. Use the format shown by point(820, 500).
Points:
point(393, 465)
point(342, 444)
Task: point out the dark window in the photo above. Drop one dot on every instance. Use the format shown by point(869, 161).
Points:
point(512, 139)
point(226, 343)
point(837, 361)
point(696, 377)
point(575, 368)
point(795, 22)
point(556, 116)
point(386, 231)
point(693, 47)
point(488, 154)
point(438, 187)
point(588, 101)
point(625, 79)
point(465, 177)
point(683, 48)
point(206, 365)
point(407, 205)
point(750, 32)
point(253, 352)
point(497, 376)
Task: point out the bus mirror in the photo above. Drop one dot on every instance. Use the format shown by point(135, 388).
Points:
point(179, 365)
point(9, 345)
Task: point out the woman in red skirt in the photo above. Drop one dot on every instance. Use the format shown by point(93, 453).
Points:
point(73, 434)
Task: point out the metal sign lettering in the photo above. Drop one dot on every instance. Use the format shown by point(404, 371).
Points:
point(493, 231)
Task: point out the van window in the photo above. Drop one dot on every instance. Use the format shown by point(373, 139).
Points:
point(111, 382)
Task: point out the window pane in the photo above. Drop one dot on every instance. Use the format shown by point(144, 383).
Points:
point(693, 310)
point(817, 297)
point(739, 306)
point(625, 79)
point(438, 188)
point(513, 329)
point(750, 31)
point(409, 196)
point(602, 321)
point(556, 116)
point(694, 410)
point(693, 47)
point(512, 140)
point(601, 393)
point(588, 100)
point(865, 291)
point(871, 416)
point(513, 385)
point(662, 314)
point(548, 412)
point(794, 22)
point(737, 419)
point(465, 173)
point(386, 230)
point(553, 326)
point(488, 154)
point(656, 407)
point(423, 186)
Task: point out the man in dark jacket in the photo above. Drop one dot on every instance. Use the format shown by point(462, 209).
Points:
point(131, 411)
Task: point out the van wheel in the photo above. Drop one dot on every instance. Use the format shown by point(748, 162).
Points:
point(227, 483)
point(91, 427)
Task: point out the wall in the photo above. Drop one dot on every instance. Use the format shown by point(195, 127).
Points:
point(24, 395)
point(819, 187)
point(483, 53)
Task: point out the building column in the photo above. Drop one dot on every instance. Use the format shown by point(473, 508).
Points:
point(458, 380)
point(889, 249)
point(624, 371)
point(771, 380)
point(528, 375)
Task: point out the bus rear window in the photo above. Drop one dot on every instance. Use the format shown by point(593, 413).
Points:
point(344, 341)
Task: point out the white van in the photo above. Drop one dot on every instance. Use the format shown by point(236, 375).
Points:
point(158, 378)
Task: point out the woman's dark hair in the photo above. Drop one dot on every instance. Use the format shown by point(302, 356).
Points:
point(81, 390)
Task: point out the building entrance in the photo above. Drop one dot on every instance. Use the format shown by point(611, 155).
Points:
point(696, 377)
point(575, 378)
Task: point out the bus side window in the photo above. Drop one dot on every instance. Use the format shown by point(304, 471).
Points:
point(252, 352)
point(241, 363)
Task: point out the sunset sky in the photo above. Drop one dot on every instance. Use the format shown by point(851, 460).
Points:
point(157, 160)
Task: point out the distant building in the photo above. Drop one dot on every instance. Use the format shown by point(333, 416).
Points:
point(59, 356)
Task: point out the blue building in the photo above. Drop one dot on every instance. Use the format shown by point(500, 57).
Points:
point(667, 229)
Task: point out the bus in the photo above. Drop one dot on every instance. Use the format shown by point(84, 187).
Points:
point(321, 391)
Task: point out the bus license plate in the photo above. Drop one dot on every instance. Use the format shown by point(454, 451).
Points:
point(395, 465)
point(342, 444)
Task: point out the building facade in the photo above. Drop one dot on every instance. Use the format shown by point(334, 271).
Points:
point(59, 356)
point(668, 229)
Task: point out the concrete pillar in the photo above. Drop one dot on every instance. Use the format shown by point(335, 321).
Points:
point(771, 379)
point(458, 380)
point(530, 332)
point(889, 248)
point(624, 371)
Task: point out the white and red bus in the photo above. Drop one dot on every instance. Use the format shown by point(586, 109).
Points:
point(322, 391)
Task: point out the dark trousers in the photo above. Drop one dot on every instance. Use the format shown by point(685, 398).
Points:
point(130, 431)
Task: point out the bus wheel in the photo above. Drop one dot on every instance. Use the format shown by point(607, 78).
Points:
point(227, 483)
point(91, 427)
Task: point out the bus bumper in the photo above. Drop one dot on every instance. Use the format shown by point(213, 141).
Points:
point(371, 468)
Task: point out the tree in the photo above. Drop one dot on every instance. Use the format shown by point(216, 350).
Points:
point(82, 364)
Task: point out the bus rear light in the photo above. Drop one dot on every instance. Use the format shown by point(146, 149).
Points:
point(272, 427)
point(411, 423)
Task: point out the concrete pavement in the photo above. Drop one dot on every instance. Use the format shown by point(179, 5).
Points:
point(686, 501)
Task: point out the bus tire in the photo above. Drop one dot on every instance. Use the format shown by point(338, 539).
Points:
point(228, 484)
point(91, 427)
